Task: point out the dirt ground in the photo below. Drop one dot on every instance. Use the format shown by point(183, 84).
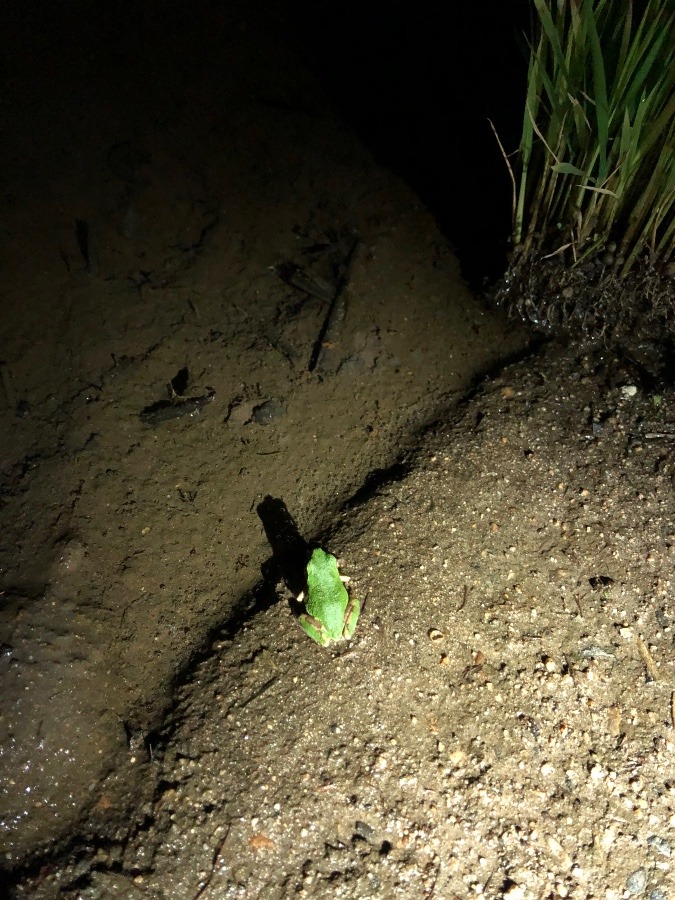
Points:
point(226, 332)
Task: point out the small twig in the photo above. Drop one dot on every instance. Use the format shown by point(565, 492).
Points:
point(464, 598)
point(216, 857)
point(335, 314)
point(257, 693)
point(579, 606)
point(658, 435)
point(6, 382)
point(514, 189)
point(650, 665)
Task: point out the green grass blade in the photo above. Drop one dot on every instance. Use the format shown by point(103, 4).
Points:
point(597, 140)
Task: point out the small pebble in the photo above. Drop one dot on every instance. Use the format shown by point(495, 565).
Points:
point(363, 830)
point(353, 365)
point(659, 844)
point(71, 556)
point(268, 412)
point(514, 892)
point(658, 894)
point(240, 412)
point(637, 881)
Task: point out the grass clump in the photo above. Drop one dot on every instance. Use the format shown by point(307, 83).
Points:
point(594, 178)
point(597, 152)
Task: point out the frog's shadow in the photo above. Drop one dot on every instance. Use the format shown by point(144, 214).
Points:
point(290, 555)
point(290, 551)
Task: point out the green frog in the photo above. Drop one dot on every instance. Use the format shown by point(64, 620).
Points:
point(330, 614)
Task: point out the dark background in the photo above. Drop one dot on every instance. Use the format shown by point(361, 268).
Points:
point(417, 80)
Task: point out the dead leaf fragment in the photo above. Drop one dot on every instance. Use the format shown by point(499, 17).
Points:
point(614, 720)
point(261, 842)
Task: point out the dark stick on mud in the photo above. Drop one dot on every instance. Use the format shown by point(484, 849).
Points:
point(214, 863)
point(332, 324)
